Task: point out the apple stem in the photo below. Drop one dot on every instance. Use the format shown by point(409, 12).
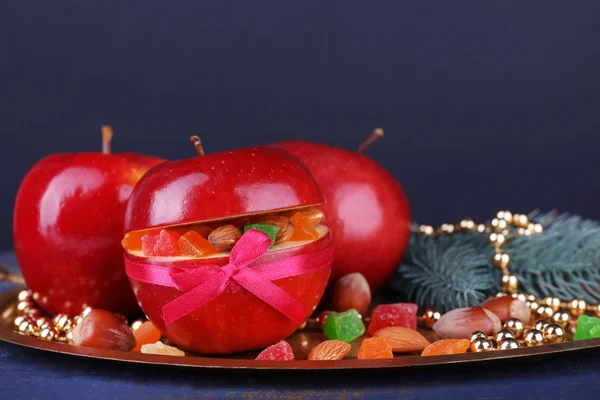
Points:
point(107, 135)
point(375, 135)
point(198, 145)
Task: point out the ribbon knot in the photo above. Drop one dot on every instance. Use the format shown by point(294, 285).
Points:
point(202, 284)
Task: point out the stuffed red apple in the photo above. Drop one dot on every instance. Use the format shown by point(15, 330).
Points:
point(68, 225)
point(221, 251)
point(366, 210)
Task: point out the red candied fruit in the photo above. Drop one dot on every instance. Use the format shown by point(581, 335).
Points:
point(193, 244)
point(303, 228)
point(398, 314)
point(281, 351)
point(162, 244)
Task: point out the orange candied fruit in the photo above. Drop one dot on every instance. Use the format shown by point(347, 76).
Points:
point(375, 347)
point(193, 244)
point(145, 334)
point(303, 229)
point(447, 346)
point(132, 241)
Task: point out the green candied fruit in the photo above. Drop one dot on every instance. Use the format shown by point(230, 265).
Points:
point(267, 229)
point(587, 328)
point(345, 326)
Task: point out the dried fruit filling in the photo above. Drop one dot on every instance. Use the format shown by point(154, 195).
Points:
point(204, 240)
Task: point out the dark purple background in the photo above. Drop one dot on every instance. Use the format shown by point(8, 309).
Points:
point(486, 105)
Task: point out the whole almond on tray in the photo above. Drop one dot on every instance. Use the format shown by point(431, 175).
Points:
point(225, 237)
point(507, 307)
point(286, 228)
point(329, 350)
point(403, 340)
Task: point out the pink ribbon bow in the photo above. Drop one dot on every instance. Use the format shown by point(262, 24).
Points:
point(203, 283)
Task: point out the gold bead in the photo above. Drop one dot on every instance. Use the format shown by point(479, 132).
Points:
point(481, 228)
point(430, 317)
point(35, 313)
point(24, 306)
point(477, 335)
point(481, 344)
point(503, 334)
point(541, 324)
point(26, 325)
point(509, 283)
point(25, 295)
point(522, 232)
point(447, 228)
point(520, 220)
point(63, 322)
point(595, 309)
point(501, 260)
point(44, 322)
point(85, 312)
point(505, 215)
point(467, 224)
point(577, 307)
point(48, 333)
point(62, 337)
point(552, 302)
point(554, 333)
point(535, 228)
point(533, 337)
point(561, 317)
point(516, 326)
point(499, 225)
point(522, 297)
point(497, 239)
point(500, 294)
point(544, 312)
point(137, 323)
point(76, 320)
point(69, 336)
point(533, 306)
point(426, 229)
point(508, 344)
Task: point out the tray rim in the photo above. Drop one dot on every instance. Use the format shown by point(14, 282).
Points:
point(8, 335)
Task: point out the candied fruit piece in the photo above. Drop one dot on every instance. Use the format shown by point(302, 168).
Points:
point(267, 229)
point(132, 241)
point(145, 334)
point(398, 314)
point(303, 228)
point(281, 351)
point(162, 244)
point(193, 244)
point(447, 346)
point(375, 347)
point(587, 328)
point(161, 349)
point(346, 326)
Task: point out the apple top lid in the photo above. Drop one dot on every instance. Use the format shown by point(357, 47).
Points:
point(221, 185)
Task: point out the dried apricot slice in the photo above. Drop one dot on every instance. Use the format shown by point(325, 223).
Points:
point(375, 347)
point(145, 334)
point(303, 228)
point(447, 346)
point(193, 244)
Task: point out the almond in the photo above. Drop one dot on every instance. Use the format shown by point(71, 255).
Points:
point(403, 340)
point(507, 307)
point(225, 237)
point(286, 229)
point(461, 322)
point(329, 350)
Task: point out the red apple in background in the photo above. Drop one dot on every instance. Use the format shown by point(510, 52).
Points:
point(68, 225)
point(366, 209)
point(212, 190)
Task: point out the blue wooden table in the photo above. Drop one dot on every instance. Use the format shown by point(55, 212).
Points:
point(33, 374)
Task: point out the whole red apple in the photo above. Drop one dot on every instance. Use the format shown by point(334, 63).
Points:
point(68, 225)
point(214, 190)
point(366, 210)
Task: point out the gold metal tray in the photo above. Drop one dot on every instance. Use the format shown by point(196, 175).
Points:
point(301, 341)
